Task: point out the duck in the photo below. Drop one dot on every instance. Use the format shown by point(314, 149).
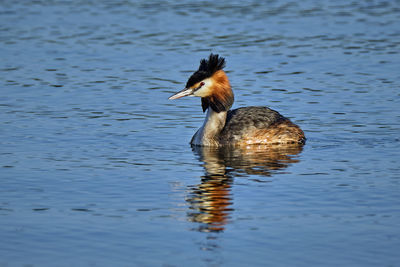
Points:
point(223, 126)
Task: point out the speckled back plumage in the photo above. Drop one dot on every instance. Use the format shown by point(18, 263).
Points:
point(242, 120)
point(259, 125)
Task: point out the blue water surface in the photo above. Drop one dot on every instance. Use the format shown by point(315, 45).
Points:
point(95, 163)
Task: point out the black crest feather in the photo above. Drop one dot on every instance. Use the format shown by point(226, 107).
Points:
point(213, 64)
point(206, 69)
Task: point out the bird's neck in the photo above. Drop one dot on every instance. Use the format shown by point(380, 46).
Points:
point(208, 134)
point(217, 105)
point(214, 122)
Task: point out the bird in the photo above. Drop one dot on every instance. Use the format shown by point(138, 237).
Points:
point(244, 126)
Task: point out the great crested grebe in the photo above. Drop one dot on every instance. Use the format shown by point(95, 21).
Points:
point(242, 126)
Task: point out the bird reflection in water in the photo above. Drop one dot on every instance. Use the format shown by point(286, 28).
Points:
point(211, 201)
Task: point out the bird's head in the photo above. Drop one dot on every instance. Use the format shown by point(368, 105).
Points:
point(211, 84)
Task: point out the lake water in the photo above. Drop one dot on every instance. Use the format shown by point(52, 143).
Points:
point(95, 163)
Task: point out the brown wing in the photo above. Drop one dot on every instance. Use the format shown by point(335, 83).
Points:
point(259, 125)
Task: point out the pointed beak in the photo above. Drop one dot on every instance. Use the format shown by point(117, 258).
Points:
point(184, 92)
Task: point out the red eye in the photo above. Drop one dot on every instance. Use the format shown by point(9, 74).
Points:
point(201, 84)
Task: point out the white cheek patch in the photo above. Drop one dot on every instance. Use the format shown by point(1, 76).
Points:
point(205, 90)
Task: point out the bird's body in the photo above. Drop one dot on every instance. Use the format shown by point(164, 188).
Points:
point(242, 126)
point(247, 126)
